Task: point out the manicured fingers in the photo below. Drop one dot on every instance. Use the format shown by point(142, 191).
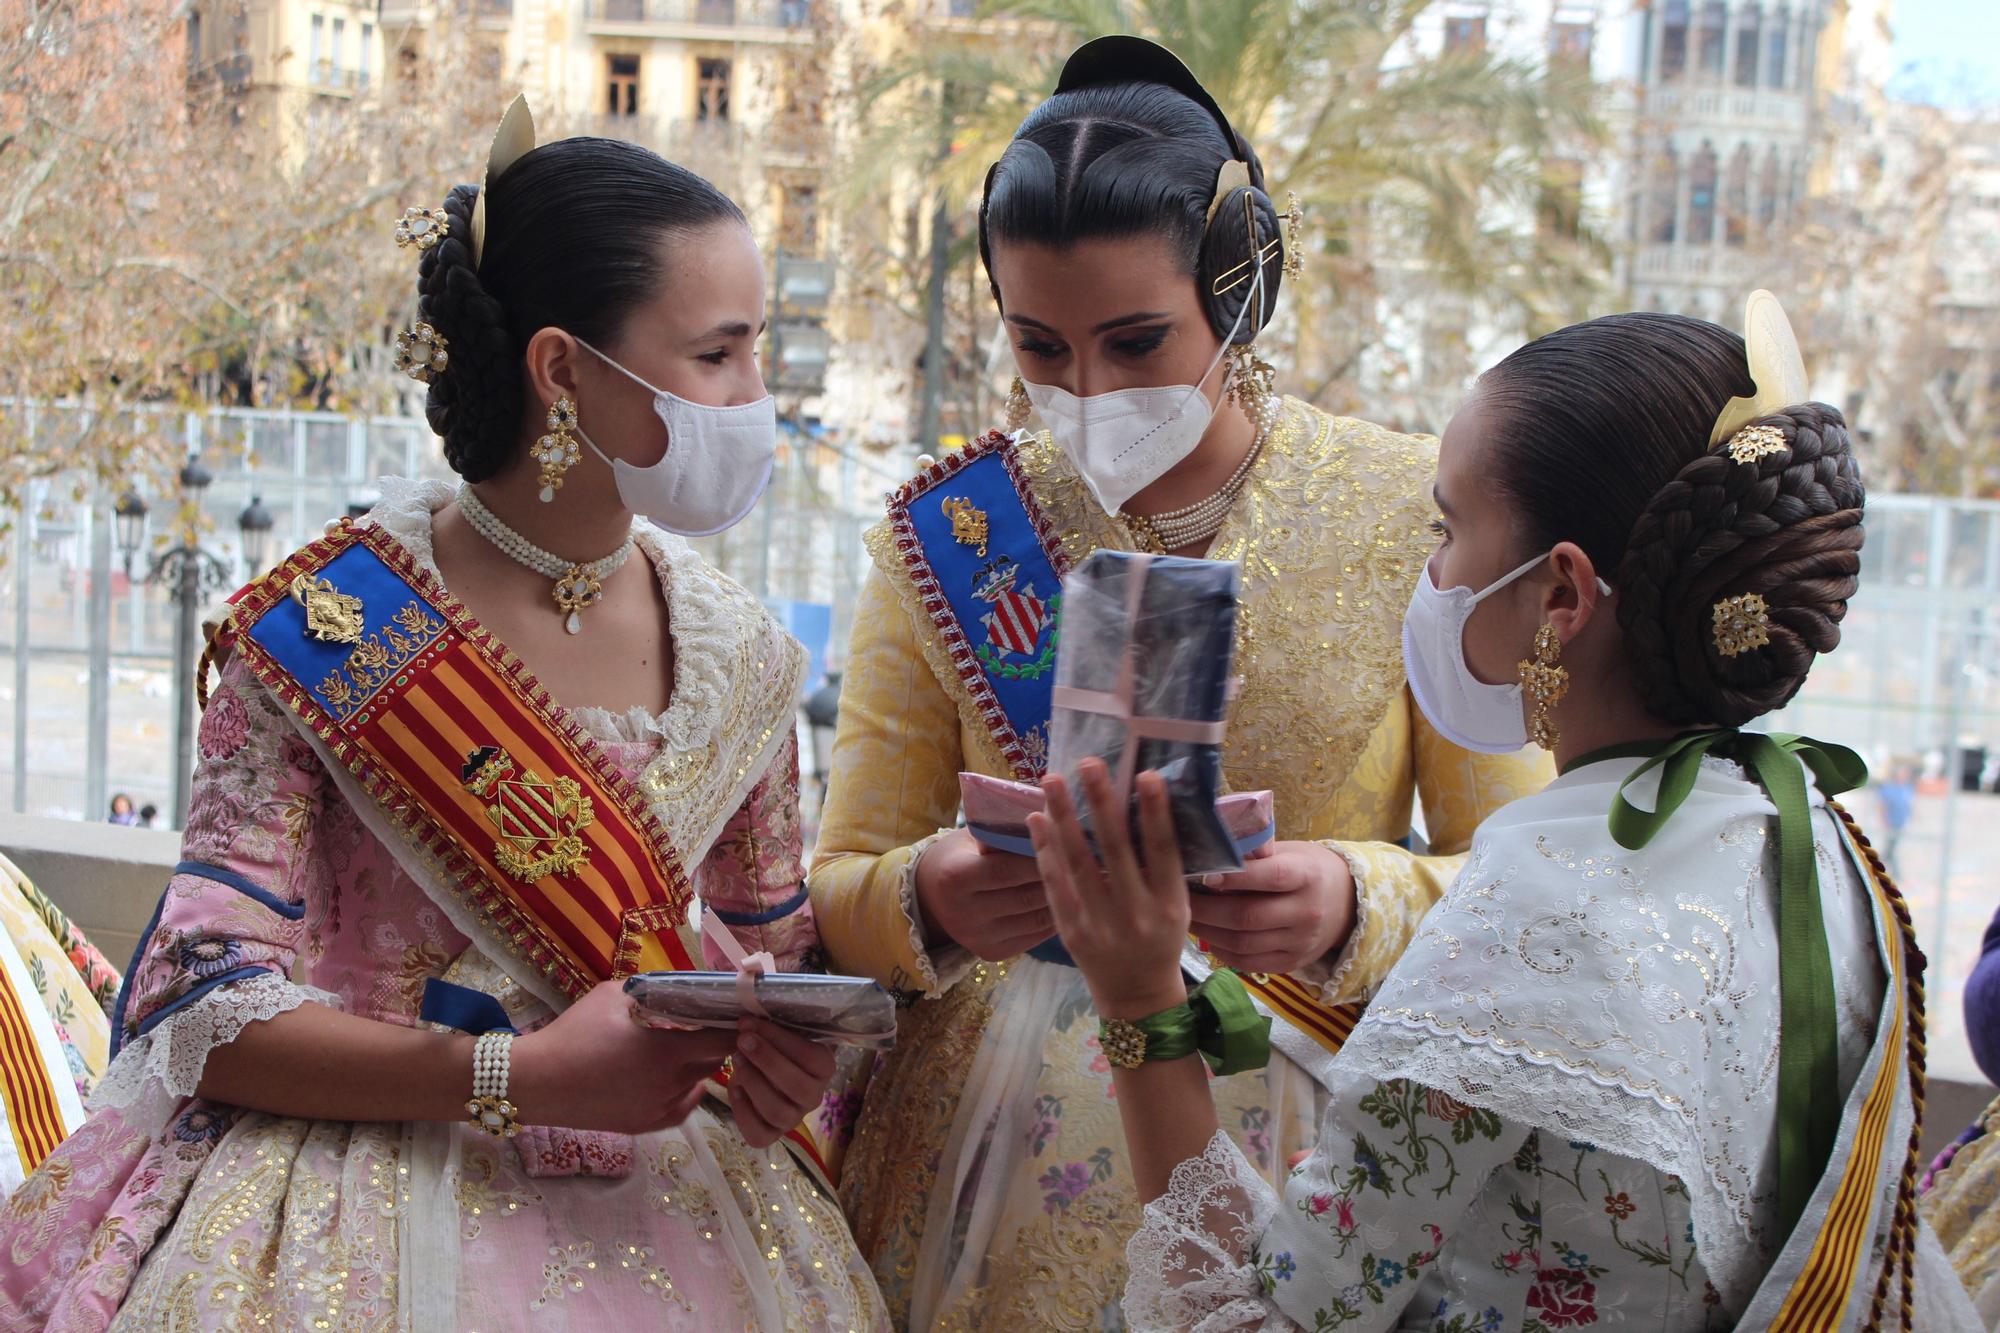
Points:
point(1071, 846)
point(1246, 942)
point(750, 1122)
point(1245, 914)
point(1109, 814)
point(776, 1108)
point(1156, 829)
point(1002, 903)
point(1064, 900)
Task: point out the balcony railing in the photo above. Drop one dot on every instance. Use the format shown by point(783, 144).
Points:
point(702, 13)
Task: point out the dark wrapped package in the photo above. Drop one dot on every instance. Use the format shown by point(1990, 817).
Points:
point(1143, 683)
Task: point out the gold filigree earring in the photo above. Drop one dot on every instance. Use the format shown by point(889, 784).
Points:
point(1544, 681)
point(1253, 384)
point(1018, 405)
point(557, 451)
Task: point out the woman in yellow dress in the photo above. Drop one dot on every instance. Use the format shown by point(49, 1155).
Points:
point(1132, 250)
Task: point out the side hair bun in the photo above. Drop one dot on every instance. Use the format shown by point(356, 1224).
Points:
point(475, 408)
point(1786, 526)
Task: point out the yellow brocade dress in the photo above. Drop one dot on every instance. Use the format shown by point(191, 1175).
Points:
point(987, 1181)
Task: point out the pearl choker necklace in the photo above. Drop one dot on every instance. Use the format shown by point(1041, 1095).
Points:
point(1180, 528)
point(576, 586)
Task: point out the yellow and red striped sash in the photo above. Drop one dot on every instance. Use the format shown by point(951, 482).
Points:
point(509, 805)
point(1300, 1005)
point(526, 819)
point(1818, 1296)
point(32, 1101)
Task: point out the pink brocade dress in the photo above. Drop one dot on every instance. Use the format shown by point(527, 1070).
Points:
point(167, 1211)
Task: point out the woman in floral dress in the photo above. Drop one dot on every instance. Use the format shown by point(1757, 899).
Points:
point(285, 1139)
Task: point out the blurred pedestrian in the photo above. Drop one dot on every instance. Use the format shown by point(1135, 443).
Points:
point(1961, 1191)
point(149, 815)
point(1896, 794)
point(123, 812)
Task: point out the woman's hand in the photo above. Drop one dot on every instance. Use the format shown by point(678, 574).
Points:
point(1280, 912)
point(780, 1077)
point(987, 901)
point(597, 1067)
point(1124, 925)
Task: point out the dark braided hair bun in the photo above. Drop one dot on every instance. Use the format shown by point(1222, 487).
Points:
point(475, 406)
point(576, 234)
point(1599, 436)
point(1786, 527)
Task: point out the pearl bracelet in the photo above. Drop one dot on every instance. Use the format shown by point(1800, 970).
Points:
point(491, 1112)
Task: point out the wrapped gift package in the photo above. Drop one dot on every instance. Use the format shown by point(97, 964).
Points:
point(841, 1011)
point(1143, 683)
point(996, 813)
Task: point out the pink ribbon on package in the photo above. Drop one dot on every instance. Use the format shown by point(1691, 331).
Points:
point(1117, 701)
point(749, 966)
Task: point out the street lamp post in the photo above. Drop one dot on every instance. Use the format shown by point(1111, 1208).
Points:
point(254, 525)
point(191, 576)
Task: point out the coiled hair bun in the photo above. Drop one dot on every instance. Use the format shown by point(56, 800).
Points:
point(1132, 145)
point(1599, 436)
point(577, 236)
point(1786, 527)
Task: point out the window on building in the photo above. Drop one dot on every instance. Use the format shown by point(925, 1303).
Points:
point(1749, 46)
point(1569, 44)
point(1714, 40)
point(365, 67)
point(1767, 191)
point(621, 85)
point(1777, 35)
point(1736, 198)
point(721, 13)
point(801, 221)
point(339, 51)
point(316, 49)
point(195, 61)
point(1465, 36)
point(1673, 40)
point(1559, 209)
point(1701, 197)
point(1663, 213)
point(711, 89)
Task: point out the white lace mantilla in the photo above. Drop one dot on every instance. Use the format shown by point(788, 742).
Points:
point(165, 1064)
point(1626, 999)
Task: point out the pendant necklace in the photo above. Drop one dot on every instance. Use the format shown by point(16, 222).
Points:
point(576, 585)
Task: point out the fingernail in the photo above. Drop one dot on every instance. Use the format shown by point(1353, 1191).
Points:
point(1211, 881)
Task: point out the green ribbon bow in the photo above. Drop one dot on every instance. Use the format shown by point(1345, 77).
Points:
point(1809, 1102)
point(1218, 1020)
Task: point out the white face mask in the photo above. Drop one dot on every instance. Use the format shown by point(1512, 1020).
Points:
point(717, 463)
point(1466, 711)
point(1124, 441)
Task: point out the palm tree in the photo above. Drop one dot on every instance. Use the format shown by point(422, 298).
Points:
point(1443, 182)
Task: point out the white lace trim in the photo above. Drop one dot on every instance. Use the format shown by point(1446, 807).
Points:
point(1190, 1260)
point(636, 725)
point(1331, 990)
point(698, 616)
point(167, 1062)
point(952, 963)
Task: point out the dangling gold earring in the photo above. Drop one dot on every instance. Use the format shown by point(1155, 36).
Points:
point(1253, 384)
point(1545, 681)
point(557, 451)
point(1018, 405)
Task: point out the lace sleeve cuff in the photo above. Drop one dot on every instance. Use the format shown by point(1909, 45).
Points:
point(168, 1060)
point(1194, 1261)
point(1334, 973)
point(950, 964)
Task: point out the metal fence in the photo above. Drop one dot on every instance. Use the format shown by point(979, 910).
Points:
point(88, 679)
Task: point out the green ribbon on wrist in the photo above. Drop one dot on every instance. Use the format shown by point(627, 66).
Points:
point(1809, 1102)
point(1219, 1022)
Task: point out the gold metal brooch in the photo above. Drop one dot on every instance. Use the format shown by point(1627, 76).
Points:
point(422, 353)
point(1742, 624)
point(1755, 442)
point(422, 227)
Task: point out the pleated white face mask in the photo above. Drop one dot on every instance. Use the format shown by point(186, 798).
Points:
point(1465, 710)
point(717, 464)
point(1124, 441)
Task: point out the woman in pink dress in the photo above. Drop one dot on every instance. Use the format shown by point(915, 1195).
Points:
point(300, 1128)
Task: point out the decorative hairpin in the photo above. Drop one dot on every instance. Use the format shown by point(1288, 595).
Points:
point(514, 140)
point(1742, 624)
point(422, 227)
point(421, 353)
point(1776, 368)
point(1295, 219)
point(1755, 442)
